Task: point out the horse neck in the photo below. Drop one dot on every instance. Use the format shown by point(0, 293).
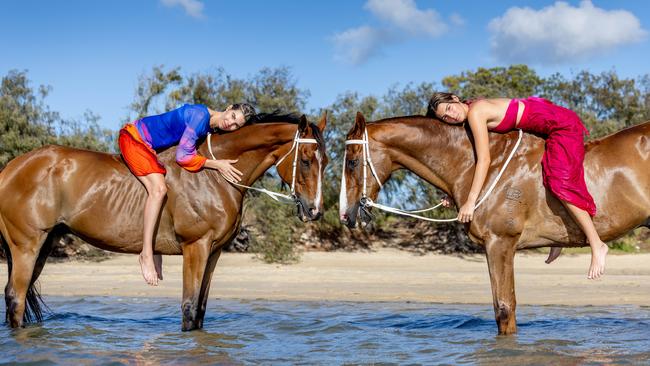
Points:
point(439, 153)
point(256, 147)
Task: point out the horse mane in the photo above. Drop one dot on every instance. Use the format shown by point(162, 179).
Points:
point(399, 119)
point(293, 118)
point(275, 116)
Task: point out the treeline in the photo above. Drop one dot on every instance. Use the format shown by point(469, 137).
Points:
point(27, 122)
point(605, 102)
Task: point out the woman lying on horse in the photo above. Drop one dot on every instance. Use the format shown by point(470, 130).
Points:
point(183, 126)
point(562, 163)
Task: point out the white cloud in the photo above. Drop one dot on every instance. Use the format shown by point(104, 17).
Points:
point(561, 33)
point(456, 19)
point(399, 20)
point(193, 8)
point(405, 15)
point(357, 45)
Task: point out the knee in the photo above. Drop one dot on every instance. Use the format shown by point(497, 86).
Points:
point(503, 311)
point(188, 309)
point(159, 191)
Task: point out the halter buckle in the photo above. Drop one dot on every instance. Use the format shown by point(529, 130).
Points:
point(365, 201)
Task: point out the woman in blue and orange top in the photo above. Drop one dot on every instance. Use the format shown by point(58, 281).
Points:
point(183, 126)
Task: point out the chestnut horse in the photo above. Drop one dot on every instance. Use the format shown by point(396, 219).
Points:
point(520, 213)
point(56, 189)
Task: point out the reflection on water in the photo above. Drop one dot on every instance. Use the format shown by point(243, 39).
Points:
point(111, 330)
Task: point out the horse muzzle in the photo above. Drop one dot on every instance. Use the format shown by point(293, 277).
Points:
point(307, 212)
point(349, 218)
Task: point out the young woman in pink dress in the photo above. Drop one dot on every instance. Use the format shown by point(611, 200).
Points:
point(563, 173)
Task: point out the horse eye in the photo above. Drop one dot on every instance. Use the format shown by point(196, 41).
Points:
point(352, 163)
point(306, 163)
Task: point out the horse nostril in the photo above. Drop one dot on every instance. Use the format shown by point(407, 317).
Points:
point(313, 211)
point(344, 217)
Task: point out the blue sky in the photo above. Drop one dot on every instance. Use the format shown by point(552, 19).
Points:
point(92, 52)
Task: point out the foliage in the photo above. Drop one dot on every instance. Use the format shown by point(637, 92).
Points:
point(27, 122)
point(512, 81)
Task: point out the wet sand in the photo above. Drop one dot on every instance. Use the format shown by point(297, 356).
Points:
point(383, 275)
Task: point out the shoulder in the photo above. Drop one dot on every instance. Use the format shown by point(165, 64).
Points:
point(479, 108)
point(486, 108)
point(196, 111)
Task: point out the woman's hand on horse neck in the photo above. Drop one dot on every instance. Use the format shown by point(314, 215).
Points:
point(225, 167)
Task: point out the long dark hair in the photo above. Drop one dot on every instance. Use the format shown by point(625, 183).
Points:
point(251, 116)
point(246, 109)
point(441, 97)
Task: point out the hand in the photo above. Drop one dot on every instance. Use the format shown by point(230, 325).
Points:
point(466, 212)
point(446, 201)
point(227, 170)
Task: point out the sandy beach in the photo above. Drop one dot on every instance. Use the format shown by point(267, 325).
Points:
point(383, 275)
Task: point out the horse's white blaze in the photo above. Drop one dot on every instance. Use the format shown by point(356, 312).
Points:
point(319, 183)
point(343, 195)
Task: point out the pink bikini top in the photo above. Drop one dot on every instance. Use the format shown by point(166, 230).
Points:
point(510, 118)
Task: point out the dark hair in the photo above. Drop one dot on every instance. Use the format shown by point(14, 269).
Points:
point(440, 97)
point(275, 116)
point(246, 109)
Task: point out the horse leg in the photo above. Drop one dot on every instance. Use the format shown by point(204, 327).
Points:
point(19, 291)
point(500, 257)
point(205, 286)
point(196, 258)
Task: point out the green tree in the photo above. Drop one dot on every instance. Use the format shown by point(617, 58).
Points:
point(27, 122)
point(604, 101)
point(513, 81)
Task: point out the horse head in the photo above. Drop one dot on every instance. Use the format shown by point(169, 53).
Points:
point(364, 168)
point(304, 168)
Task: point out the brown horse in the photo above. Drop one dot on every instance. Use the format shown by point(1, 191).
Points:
point(93, 195)
point(520, 213)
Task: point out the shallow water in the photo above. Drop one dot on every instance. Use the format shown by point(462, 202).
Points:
point(113, 330)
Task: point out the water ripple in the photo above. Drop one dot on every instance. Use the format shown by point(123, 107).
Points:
point(116, 330)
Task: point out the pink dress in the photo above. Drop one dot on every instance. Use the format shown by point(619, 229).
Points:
point(563, 131)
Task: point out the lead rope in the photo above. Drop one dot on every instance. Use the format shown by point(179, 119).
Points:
point(275, 195)
point(367, 202)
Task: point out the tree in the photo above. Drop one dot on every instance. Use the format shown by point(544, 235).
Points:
point(507, 82)
point(605, 102)
point(27, 122)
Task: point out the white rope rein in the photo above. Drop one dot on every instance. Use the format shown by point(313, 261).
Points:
point(367, 202)
point(275, 195)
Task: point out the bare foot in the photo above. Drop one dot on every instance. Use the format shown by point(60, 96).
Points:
point(597, 267)
point(553, 254)
point(157, 262)
point(148, 270)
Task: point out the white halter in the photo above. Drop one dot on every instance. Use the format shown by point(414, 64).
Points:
point(367, 202)
point(296, 144)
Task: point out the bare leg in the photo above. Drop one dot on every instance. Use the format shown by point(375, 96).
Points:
point(598, 248)
point(156, 190)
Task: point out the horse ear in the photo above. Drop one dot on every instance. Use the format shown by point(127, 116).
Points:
point(359, 124)
point(360, 121)
point(323, 121)
point(302, 126)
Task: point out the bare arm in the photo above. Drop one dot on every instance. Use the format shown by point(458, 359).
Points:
point(477, 119)
point(478, 125)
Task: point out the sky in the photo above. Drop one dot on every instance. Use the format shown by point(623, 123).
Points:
point(92, 52)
